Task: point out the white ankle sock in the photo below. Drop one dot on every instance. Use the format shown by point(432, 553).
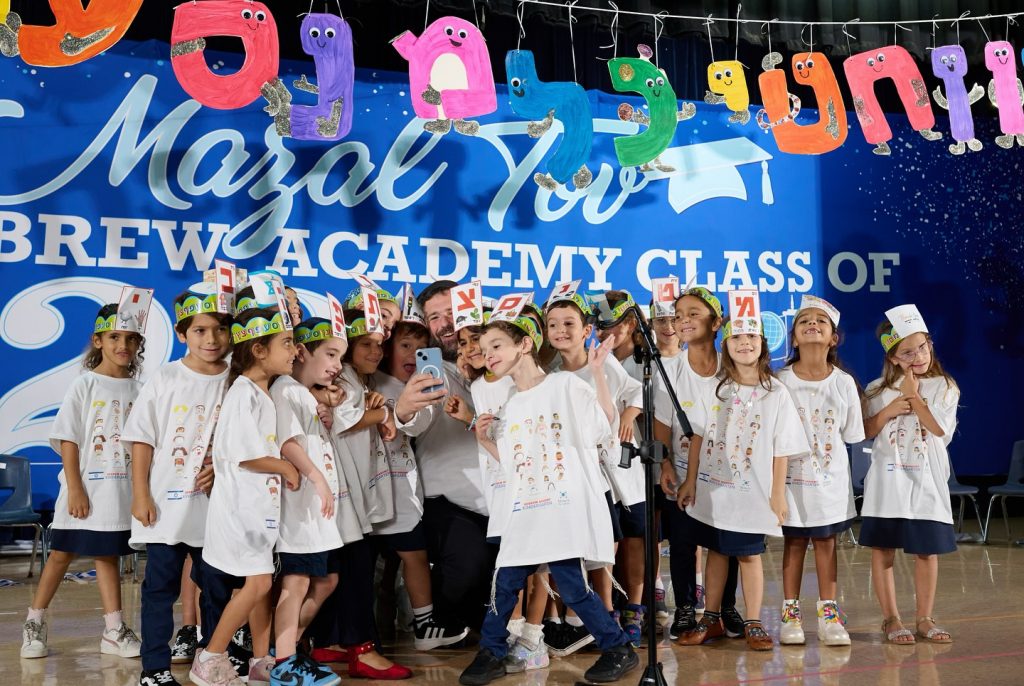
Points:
point(532, 635)
point(422, 614)
point(515, 626)
point(35, 615)
point(113, 620)
point(573, 620)
point(206, 655)
point(659, 584)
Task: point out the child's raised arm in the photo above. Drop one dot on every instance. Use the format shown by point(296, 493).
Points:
point(596, 356)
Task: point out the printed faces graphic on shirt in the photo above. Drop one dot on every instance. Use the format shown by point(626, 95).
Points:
point(728, 455)
point(820, 425)
point(467, 305)
point(539, 464)
point(371, 311)
point(510, 306)
point(665, 291)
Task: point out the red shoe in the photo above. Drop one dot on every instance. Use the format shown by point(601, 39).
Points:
point(325, 655)
point(361, 670)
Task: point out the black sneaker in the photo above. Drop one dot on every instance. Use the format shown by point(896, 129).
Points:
point(613, 665)
point(432, 634)
point(241, 664)
point(685, 620)
point(567, 639)
point(158, 677)
point(484, 669)
point(243, 638)
point(186, 643)
point(733, 622)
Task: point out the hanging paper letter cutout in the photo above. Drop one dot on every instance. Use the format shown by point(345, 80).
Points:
point(640, 75)
point(1005, 91)
point(250, 21)
point(892, 62)
point(449, 75)
point(781, 107)
point(949, 63)
point(77, 35)
point(544, 102)
point(328, 40)
point(728, 84)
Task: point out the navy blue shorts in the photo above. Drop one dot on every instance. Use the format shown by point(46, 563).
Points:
point(632, 519)
point(823, 531)
point(91, 543)
point(406, 541)
point(914, 536)
point(305, 564)
point(613, 513)
point(731, 543)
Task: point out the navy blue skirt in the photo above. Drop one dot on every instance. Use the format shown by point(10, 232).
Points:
point(303, 564)
point(731, 543)
point(823, 531)
point(913, 536)
point(91, 543)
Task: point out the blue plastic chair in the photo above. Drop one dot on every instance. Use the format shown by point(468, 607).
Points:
point(16, 476)
point(1013, 488)
point(963, 492)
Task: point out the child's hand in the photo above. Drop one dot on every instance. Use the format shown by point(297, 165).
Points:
point(78, 503)
point(456, 408)
point(669, 480)
point(204, 479)
point(290, 475)
point(143, 509)
point(326, 414)
point(387, 429)
point(483, 426)
point(331, 396)
point(686, 494)
point(626, 432)
point(898, 407)
point(779, 507)
point(374, 400)
point(597, 354)
point(911, 383)
point(326, 498)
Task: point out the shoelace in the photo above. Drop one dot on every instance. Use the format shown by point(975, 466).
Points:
point(791, 613)
point(829, 612)
point(124, 633)
point(163, 677)
point(306, 665)
point(756, 630)
point(34, 631)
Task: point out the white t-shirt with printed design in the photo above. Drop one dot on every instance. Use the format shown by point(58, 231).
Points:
point(303, 528)
point(93, 416)
point(405, 473)
point(819, 490)
point(245, 506)
point(488, 398)
point(909, 472)
point(176, 413)
point(743, 436)
point(554, 506)
point(690, 389)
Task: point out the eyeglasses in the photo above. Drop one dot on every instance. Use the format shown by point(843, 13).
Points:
point(912, 355)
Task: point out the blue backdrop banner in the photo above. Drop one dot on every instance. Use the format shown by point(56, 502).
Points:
point(111, 175)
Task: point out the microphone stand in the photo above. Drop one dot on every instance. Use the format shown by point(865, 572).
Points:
point(650, 451)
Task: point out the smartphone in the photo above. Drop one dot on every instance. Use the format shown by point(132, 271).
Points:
point(429, 361)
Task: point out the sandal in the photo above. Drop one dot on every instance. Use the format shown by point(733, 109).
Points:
point(894, 636)
point(933, 635)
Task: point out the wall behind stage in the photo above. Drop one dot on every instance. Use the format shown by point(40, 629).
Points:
point(110, 174)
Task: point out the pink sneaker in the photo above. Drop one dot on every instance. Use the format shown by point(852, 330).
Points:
point(216, 671)
point(259, 670)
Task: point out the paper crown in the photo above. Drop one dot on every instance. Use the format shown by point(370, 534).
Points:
point(536, 309)
point(569, 291)
point(707, 296)
point(467, 305)
point(267, 291)
point(664, 292)
point(529, 327)
point(744, 314)
point(906, 320)
point(200, 298)
point(226, 280)
point(132, 312)
point(354, 299)
point(313, 329)
point(808, 302)
point(620, 310)
point(509, 307)
point(370, 322)
point(259, 327)
point(411, 310)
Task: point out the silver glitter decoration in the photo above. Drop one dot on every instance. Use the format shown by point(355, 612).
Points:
point(771, 60)
point(188, 46)
point(431, 96)
point(545, 181)
point(441, 126)
point(687, 111)
point(930, 135)
point(882, 149)
point(1005, 141)
point(832, 128)
point(740, 117)
point(582, 178)
point(9, 35)
point(958, 148)
point(974, 144)
point(467, 128)
point(861, 110)
point(992, 93)
point(303, 85)
point(713, 98)
point(921, 90)
point(328, 128)
point(279, 106)
point(72, 45)
point(536, 129)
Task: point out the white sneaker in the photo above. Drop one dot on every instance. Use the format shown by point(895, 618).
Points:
point(831, 631)
point(792, 630)
point(522, 659)
point(121, 641)
point(33, 639)
point(259, 670)
point(217, 671)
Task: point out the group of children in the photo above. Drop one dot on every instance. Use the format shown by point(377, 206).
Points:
point(265, 471)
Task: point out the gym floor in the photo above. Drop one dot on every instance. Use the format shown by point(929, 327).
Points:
point(980, 601)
